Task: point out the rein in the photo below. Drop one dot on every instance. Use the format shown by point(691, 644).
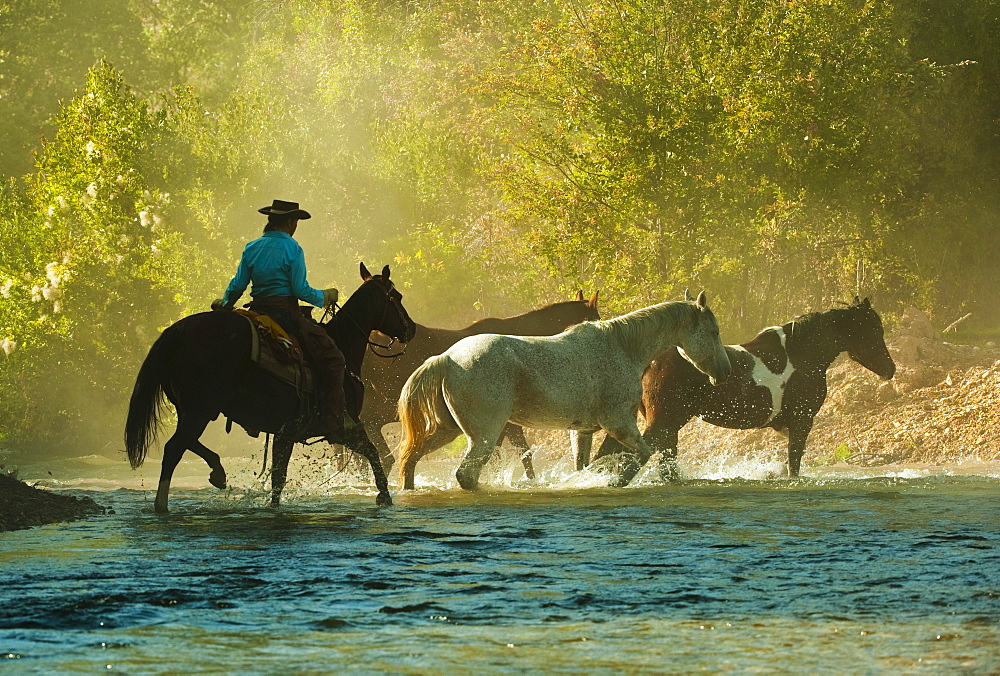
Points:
point(372, 344)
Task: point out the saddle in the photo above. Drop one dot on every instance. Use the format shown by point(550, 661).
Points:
point(277, 353)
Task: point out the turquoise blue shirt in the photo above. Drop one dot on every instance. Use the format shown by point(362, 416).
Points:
point(275, 265)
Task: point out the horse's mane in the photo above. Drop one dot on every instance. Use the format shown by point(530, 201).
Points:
point(636, 328)
point(823, 317)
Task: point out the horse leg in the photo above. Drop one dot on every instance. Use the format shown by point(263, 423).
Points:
point(357, 440)
point(381, 445)
point(581, 442)
point(515, 434)
point(797, 435)
point(281, 453)
point(442, 436)
point(184, 437)
point(480, 448)
point(625, 465)
point(664, 440)
point(218, 475)
point(610, 446)
point(410, 468)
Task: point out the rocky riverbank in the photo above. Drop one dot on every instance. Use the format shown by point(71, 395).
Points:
point(24, 506)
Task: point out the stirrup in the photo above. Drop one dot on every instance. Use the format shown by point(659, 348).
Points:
point(349, 428)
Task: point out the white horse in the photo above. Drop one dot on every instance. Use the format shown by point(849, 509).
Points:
point(585, 379)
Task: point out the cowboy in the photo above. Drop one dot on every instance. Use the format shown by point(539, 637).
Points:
point(275, 266)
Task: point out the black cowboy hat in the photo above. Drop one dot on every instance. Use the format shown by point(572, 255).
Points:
point(283, 208)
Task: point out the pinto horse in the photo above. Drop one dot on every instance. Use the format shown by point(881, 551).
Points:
point(384, 378)
point(202, 365)
point(778, 380)
point(550, 382)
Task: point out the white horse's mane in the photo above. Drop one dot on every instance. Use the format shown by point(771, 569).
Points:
point(638, 328)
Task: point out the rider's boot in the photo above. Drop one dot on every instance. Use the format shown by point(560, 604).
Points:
point(333, 424)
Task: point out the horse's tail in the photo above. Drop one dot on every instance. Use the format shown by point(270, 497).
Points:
point(421, 410)
point(145, 406)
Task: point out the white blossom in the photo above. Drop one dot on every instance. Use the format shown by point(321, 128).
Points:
point(52, 273)
point(8, 345)
point(5, 288)
point(144, 219)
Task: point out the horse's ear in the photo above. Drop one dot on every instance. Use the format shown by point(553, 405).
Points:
point(702, 300)
point(579, 295)
point(867, 302)
point(593, 301)
point(687, 295)
point(365, 275)
point(385, 272)
point(857, 299)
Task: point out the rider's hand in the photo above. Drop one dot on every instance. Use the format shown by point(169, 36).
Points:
point(330, 297)
point(219, 304)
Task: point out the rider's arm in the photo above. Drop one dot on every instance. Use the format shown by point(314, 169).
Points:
point(297, 277)
point(238, 284)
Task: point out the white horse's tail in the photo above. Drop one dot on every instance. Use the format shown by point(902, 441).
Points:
point(422, 410)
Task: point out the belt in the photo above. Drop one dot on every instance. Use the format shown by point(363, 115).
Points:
point(276, 301)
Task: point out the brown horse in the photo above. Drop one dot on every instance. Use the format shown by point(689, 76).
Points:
point(202, 365)
point(778, 380)
point(384, 378)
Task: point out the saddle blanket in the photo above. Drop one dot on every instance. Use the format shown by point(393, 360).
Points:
point(276, 352)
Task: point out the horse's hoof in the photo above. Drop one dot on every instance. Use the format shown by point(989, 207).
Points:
point(620, 468)
point(465, 481)
point(383, 500)
point(218, 478)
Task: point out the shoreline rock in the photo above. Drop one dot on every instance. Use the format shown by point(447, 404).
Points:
point(23, 506)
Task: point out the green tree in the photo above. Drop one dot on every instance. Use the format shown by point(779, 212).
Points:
point(98, 256)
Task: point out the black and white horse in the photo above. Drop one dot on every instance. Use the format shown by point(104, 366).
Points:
point(778, 380)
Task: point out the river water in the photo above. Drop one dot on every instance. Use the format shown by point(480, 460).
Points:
point(892, 569)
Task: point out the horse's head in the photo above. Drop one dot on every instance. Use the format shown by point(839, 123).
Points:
point(701, 345)
point(865, 338)
point(381, 294)
point(583, 310)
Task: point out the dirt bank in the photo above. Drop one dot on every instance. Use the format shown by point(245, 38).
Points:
point(24, 506)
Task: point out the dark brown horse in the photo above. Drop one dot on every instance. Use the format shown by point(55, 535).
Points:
point(384, 378)
point(202, 366)
point(778, 380)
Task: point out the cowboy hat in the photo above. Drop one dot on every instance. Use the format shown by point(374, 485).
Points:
point(283, 208)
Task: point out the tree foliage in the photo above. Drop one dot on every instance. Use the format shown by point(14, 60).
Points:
point(782, 155)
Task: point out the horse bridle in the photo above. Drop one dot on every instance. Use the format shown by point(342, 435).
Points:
point(385, 311)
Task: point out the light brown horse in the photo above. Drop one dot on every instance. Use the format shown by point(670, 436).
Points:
point(585, 379)
point(384, 378)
